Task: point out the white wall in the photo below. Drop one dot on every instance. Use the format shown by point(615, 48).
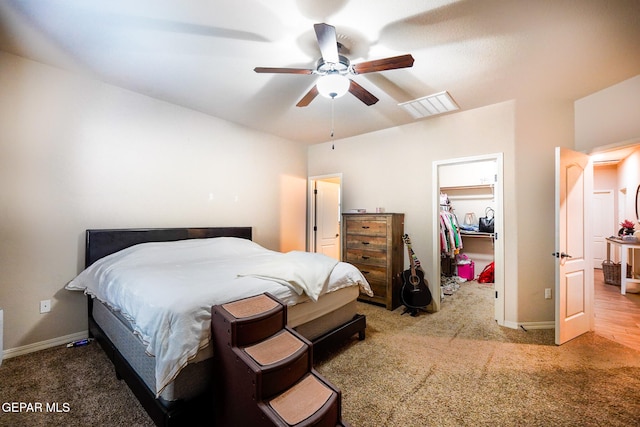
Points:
point(393, 169)
point(78, 154)
point(606, 178)
point(541, 125)
point(609, 116)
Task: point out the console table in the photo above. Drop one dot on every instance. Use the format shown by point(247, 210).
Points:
point(625, 246)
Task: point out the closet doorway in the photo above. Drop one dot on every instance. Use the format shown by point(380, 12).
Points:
point(324, 201)
point(472, 184)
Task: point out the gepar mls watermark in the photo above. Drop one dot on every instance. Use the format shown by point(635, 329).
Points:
point(33, 407)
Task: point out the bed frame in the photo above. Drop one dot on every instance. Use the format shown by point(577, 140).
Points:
point(100, 243)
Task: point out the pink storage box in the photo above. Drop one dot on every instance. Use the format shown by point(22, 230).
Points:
point(466, 271)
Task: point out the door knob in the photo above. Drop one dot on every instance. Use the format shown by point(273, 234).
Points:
point(561, 255)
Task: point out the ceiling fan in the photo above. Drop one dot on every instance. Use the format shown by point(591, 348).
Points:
point(334, 70)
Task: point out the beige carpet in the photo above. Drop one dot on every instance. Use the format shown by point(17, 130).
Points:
point(452, 368)
point(78, 383)
point(458, 368)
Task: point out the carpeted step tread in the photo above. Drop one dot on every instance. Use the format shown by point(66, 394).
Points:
point(302, 400)
point(275, 348)
point(249, 307)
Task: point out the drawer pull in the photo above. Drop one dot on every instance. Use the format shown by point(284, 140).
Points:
point(364, 272)
point(365, 257)
point(365, 226)
point(365, 243)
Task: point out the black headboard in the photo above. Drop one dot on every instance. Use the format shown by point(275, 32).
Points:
point(101, 243)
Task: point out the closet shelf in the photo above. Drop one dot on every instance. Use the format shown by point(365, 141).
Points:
point(467, 187)
point(470, 196)
point(464, 233)
point(469, 192)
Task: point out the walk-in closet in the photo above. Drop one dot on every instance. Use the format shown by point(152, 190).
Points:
point(469, 208)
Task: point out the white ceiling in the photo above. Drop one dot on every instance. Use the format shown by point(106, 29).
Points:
point(200, 54)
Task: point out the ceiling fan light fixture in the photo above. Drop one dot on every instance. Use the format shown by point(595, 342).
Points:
point(333, 85)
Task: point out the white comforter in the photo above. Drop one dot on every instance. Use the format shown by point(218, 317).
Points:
point(166, 289)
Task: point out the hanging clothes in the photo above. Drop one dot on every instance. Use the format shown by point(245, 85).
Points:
point(450, 240)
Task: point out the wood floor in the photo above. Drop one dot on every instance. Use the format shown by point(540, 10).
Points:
point(617, 317)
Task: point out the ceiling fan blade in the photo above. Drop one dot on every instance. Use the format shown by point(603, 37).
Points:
point(282, 70)
point(328, 42)
point(310, 96)
point(361, 93)
point(402, 61)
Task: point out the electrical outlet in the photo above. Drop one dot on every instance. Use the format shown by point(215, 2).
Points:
point(547, 293)
point(45, 306)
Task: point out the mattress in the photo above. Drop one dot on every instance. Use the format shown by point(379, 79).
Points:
point(166, 289)
point(310, 319)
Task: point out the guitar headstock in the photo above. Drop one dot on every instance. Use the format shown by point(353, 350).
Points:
point(406, 240)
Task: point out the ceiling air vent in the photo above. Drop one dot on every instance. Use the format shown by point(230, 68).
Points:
point(431, 105)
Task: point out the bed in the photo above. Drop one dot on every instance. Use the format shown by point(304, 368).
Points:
point(178, 274)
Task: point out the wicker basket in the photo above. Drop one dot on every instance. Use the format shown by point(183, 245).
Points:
point(612, 272)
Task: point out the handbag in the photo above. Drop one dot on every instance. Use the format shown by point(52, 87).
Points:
point(485, 223)
point(469, 218)
point(488, 274)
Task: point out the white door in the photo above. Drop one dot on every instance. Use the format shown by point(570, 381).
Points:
point(574, 268)
point(328, 219)
point(603, 224)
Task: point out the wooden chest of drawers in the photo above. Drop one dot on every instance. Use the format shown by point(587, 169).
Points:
point(373, 243)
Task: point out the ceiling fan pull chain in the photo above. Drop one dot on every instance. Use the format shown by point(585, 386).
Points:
point(332, 121)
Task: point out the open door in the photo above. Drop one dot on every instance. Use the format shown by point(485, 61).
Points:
point(328, 219)
point(574, 262)
point(323, 226)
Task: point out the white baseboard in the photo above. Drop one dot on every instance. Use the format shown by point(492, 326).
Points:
point(531, 325)
point(512, 325)
point(42, 345)
point(538, 325)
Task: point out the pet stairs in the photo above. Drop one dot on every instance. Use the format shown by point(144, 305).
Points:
point(264, 372)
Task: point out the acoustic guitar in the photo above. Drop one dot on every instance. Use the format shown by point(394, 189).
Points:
point(415, 292)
